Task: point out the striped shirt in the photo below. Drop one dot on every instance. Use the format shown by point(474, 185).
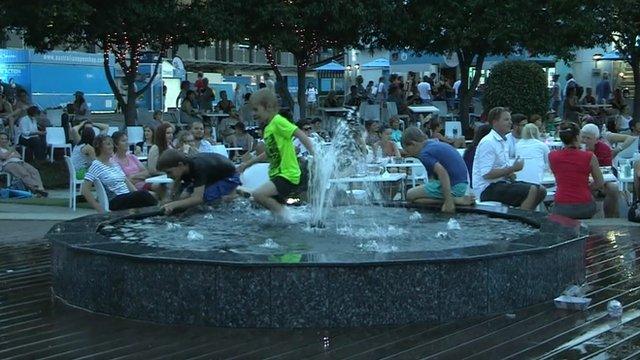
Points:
point(111, 177)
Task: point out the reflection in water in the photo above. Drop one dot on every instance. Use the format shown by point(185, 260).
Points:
point(240, 228)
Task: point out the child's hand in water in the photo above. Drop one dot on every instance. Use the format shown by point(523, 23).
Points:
point(168, 208)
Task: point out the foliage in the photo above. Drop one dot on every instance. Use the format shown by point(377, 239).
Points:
point(120, 27)
point(302, 28)
point(621, 26)
point(519, 85)
point(475, 29)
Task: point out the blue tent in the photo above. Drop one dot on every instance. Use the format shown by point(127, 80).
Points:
point(377, 63)
point(332, 66)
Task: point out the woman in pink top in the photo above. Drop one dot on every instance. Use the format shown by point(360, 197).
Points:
point(131, 166)
point(571, 168)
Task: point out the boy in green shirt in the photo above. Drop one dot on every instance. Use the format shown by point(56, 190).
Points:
point(284, 170)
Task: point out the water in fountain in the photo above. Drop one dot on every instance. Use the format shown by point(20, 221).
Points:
point(343, 157)
point(356, 226)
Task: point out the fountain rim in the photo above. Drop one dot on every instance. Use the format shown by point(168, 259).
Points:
point(101, 220)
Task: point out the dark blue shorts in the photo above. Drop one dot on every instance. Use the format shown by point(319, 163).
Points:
point(221, 188)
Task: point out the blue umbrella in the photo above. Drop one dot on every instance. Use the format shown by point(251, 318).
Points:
point(612, 55)
point(377, 63)
point(332, 66)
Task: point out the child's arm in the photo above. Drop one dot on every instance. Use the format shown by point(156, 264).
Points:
point(305, 140)
point(193, 200)
point(260, 158)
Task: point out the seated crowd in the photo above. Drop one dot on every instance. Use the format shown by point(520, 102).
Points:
point(506, 162)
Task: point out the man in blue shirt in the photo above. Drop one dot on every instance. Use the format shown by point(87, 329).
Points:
point(603, 89)
point(448, 176)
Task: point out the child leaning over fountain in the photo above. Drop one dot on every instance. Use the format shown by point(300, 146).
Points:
point(448, 177)
point(284, 169)
point(206, 177)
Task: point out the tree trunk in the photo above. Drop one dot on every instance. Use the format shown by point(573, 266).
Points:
point(467, 91)
point(302, 98)
point(110, 80)
point(282, 89)
point(130, 113)
point(636, 93)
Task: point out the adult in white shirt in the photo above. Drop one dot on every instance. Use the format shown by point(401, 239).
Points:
point(381, 91)
point(202, 145)
point(493, 177)
point(424, 89)
point(519, 121)
point(301, 150)
point(312, 94)
point(456, 87)
point(30, 136)
point(535, 154)
point(571, 83)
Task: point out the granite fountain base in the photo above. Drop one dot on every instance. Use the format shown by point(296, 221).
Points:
point(213, 289)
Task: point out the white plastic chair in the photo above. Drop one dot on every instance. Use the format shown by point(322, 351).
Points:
point(221, 149)
point(55, 116)
point(74, 184)
point(253, 177)
point(443, 109)
point(418, 172)
point(56, 140)
point(296, 112)
point(452, 129)
point(101, 193)
point(135, 134)
point(628, 153)
point(392, 110)
point(8, 176)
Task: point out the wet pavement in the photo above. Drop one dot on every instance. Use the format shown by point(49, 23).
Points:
point(33, 326)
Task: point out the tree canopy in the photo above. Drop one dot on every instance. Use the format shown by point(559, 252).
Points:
point(475, 29)
point(119, 27)
point(302, 28)
point(621, 26)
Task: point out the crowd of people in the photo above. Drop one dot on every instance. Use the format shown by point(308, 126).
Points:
point(402, 92)
point(506, 161)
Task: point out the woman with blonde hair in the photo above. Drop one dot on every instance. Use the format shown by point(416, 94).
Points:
point(535, 154)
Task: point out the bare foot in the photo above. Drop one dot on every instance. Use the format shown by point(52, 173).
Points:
point(465, 200)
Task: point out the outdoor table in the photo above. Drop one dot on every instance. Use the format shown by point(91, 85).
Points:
point(422, 109)
point(403, 165)
point(160, 179)
point(142, 158)
point(554, 144)
point(327, 110)
point(233, 148)
point(549, 179)
point(217, 116)
point(386, 177)
point(597, 106)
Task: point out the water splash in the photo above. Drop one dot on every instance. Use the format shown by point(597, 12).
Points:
point(340, 158)
point(269, 244)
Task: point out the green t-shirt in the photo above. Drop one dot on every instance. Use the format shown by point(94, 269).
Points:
point(280, 150)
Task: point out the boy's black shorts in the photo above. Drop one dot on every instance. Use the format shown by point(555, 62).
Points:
point(285, 189)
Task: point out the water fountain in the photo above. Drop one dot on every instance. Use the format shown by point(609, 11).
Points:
point(368, 264)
